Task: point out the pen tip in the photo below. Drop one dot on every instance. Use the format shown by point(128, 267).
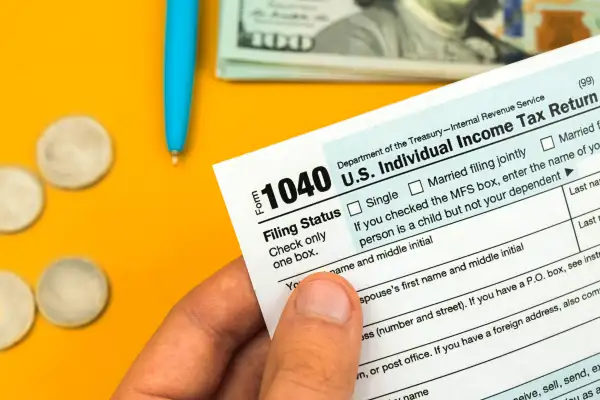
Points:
point(175, 158)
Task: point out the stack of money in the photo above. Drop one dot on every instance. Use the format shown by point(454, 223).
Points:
point(392, 40)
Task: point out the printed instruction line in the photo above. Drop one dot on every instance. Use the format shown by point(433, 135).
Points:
point(412, 236)
point(443, 226)
point(475, 290)
point(464, 256)
point(477, 327)
point(541, 376)
point(576, 389)
point(489, 360)
point(425, 166)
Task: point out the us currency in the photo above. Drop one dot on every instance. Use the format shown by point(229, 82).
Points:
point(392, 40)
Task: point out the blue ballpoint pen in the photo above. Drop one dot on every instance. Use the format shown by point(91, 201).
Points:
point(181, 35)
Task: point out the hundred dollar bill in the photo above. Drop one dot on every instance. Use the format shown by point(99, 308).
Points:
point(392, 39)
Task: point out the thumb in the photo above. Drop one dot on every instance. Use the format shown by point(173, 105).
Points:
point(315, 351)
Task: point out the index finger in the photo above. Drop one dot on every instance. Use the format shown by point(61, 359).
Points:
point(189, 353)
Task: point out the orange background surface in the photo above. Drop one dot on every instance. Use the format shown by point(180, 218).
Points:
point(156, 230)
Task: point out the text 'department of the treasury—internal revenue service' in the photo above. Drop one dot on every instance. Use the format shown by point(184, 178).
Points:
point(467, 219)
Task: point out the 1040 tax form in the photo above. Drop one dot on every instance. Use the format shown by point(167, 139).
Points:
point(467, 219)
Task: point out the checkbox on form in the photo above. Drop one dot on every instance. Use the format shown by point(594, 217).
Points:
point(547, 143)
point(415, 188)
point(354, 208)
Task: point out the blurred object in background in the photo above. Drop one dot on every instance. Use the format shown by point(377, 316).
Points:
point(547, 24)
point(514, 23)
point(559, 28)
point(392, 40)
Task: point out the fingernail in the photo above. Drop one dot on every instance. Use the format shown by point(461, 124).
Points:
point(324, 299)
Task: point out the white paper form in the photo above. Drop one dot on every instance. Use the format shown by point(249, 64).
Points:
point(467, 219)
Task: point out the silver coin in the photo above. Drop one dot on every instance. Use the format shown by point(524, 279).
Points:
point(74, 153)
point(21, 199)
point(72, 292)
point(17, 309)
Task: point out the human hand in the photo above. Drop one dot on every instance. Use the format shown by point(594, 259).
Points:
point(213, 345)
